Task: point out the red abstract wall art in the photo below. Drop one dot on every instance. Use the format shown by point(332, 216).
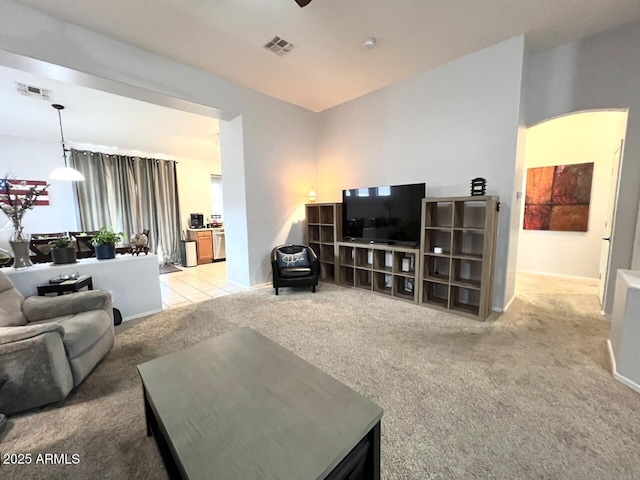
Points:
point(558, 198)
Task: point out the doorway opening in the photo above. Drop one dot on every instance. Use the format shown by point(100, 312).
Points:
point(572, 168)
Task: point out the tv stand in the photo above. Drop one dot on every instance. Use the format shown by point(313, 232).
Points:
point(388, 270)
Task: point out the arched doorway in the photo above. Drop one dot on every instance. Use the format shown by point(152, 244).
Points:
point(567, 237)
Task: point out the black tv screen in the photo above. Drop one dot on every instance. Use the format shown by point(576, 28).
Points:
point(383, 214)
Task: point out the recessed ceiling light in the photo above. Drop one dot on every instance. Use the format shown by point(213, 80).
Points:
point(369, 43)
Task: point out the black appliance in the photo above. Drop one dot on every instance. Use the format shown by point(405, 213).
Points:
point(387, 214)
point(197, 220)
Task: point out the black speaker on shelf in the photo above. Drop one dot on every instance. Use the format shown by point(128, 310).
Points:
point(478, 186)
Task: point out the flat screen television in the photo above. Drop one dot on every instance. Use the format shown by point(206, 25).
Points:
point(387, 214)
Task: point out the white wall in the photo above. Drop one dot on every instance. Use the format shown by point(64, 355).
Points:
point(194, 188)
point(274, 141)
point(580, 138)
point(600, 72)
point(34, 160)
point(443, 127)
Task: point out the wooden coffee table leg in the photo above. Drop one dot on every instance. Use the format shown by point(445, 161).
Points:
point(373, 457)
point(148, 413)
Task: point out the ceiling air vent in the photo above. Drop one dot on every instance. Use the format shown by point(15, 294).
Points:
point(37, 92)
point(279, 46)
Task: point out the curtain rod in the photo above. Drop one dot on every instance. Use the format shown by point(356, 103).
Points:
point(122, 155)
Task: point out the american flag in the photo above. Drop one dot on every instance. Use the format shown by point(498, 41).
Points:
point(18, 189)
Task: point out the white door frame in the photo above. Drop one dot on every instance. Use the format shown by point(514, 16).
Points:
point(607, 237)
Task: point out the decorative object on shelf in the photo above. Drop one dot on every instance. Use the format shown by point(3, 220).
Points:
point(312, 195)
point(136, 250)
point(16, 197)
point(104, 243)
point(66, 172)
point(437, 250)
point(408, 263)
point(62, 252)
point(139, 243)
point(558, 198)
point(478, 186)
point(139, 240)
point(408, 285)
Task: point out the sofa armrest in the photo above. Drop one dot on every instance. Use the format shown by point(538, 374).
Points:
point(43, 308)
point(16, 334)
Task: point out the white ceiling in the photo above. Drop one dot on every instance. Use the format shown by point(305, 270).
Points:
point(101, 121)
point(328, 65)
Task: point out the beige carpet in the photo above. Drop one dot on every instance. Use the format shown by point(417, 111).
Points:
point(529, 395)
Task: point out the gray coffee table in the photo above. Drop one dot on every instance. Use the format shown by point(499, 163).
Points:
point(239, 406)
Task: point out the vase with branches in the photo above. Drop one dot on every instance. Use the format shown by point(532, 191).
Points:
point(15, 200)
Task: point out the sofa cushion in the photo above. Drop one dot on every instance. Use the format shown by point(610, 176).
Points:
point(10, 304)
point(295, 272)
point(82, 330)
point(299, 259)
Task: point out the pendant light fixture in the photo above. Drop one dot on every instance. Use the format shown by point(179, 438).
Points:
point(66, 172)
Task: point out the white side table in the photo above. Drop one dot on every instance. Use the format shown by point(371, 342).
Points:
point(624, 338)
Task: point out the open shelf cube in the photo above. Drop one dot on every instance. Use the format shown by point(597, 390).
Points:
point(435, 294)
point(383, 261)
point(465, 300)
point(346, 275)
point(326, 215)
point(404, 264)
point(313, 214)
point(404, 288)
point(314, 233)
point(438, 214)
point(326, 234)
point(468, 243)
point(469, 214)
point(327, 271)
point(467, 273)
point(363, 278)
point(437, 238)
point(364, 257)
point(327, 253)
point(383, 283)
point(436, 269)
point(346, 255)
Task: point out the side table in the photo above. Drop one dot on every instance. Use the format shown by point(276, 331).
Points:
point(67, 286)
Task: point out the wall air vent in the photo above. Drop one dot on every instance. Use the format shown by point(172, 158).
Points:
point(279, 46)
point(37, 92)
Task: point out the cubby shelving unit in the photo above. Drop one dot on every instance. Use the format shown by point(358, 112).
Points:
point(324, 229)
point(457, 253)
point(383, 269)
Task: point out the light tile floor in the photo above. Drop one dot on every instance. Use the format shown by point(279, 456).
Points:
point(195, 284)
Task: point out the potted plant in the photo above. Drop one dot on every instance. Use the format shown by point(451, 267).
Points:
point(104, 243)
point(62, 251)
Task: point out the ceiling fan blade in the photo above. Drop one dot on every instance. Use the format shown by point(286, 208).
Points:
point(303, 3)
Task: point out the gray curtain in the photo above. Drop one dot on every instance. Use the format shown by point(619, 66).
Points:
point(131, 194)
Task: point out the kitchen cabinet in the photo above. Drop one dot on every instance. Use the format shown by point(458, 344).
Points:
point(204, 244)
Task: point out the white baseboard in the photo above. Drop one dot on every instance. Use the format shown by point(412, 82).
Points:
point(629, 383)
point(138, 315)
point(505, 308)
point(574, 277)
point(261, 285)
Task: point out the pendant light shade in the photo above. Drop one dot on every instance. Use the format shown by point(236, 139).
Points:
point(64, 173)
